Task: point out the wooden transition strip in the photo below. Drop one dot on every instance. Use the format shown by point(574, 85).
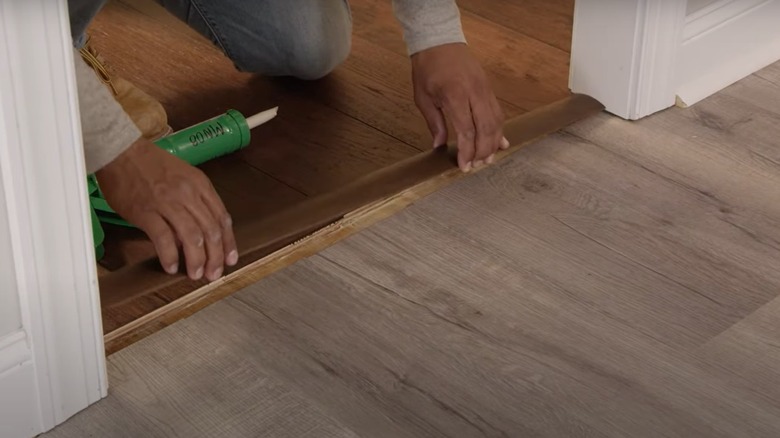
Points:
point(316, 223)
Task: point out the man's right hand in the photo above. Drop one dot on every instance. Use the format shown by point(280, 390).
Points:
point(175, 204)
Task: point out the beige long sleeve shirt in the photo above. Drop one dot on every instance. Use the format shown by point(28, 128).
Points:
point(108, 130)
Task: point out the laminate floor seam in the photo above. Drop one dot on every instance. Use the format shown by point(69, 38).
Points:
point(537, 276)
point(510, 30)
point(709, 196)
point(516, 110)
point(268, 174)
point(766, 79)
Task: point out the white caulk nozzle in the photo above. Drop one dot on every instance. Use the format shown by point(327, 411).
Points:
point(263, 117)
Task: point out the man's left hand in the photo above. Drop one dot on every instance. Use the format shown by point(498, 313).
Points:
point(449, 84)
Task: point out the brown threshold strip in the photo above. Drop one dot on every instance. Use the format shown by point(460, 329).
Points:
point(300, 231)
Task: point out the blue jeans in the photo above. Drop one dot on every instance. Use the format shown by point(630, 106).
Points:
point(306, 39)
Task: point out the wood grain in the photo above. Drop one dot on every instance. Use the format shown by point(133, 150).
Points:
point(615, 279)
point(771, 73)
point(330, 133)
point(524, 71)
point(264, 236)
point(309, 146)
point(247, 193)
point(547, 21)
point(151, 397)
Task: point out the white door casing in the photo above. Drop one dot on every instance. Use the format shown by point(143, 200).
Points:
point(624, 53)
point(641, 56)
point(723, 42)
point(52, 362)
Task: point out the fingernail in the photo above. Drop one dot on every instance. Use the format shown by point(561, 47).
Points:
point(232, 258)
point(467, 167)
point(200, 242)
point(491, 159)
point(216, 274)
point(478, 164)
point(172, 269)
point(504, 143)
point(198, 274)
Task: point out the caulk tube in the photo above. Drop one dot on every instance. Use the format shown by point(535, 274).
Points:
point(213, 138)
point(207, 140)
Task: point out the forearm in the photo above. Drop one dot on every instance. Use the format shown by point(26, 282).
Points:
point(107, 130)
point(429, 23)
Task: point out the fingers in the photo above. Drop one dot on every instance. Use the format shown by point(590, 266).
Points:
point(478, 121)
point(225, 223)
point(192, 238)
point(175, 205)
point(503, 143)
point(458, 111)
point(163, 238)
point(211, 231)
point(204, 228)
point(433, 117)
point(488, 122)
point(206, 234)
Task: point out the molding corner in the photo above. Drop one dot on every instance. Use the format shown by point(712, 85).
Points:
point(624, 53)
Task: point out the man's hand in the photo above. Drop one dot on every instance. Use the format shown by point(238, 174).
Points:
point(175, 204)
point(449, 83)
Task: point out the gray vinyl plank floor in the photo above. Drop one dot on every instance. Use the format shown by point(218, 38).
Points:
point(617, 279)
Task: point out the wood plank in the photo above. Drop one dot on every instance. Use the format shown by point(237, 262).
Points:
point(754, 90)
point(770, 73)
point(683, 274)
point(601, 282)
point(246, 192)
point(373, 86)
point(357, 121)
point(156, 395)
point(696, 156)
point(470, 258)
point(332, 149)
point(443, 366)
point(747, 353)
point(379, 93)
point(524, 71)
point(547, 21)
point(119, 337)
point(266, 235)
point(430, 324)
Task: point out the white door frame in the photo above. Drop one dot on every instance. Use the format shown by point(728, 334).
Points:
point(635, 56)
point(641, 56)
point(54, 365)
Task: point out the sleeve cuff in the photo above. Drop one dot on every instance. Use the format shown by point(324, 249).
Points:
point(429, 23)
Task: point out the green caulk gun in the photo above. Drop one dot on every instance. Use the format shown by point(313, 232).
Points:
point(197, 144)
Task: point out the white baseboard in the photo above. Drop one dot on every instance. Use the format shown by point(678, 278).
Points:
point(725, 42)
point(19, 413)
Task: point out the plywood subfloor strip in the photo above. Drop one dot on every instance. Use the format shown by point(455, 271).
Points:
point(411, 178)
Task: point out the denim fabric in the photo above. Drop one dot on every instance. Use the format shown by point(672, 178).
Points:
point(306, 39)
point(81, 14)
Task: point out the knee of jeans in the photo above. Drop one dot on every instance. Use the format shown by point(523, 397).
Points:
point(308, 58)
point(318, 56)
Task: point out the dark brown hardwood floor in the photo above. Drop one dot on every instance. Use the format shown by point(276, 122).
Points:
point(329, 132)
